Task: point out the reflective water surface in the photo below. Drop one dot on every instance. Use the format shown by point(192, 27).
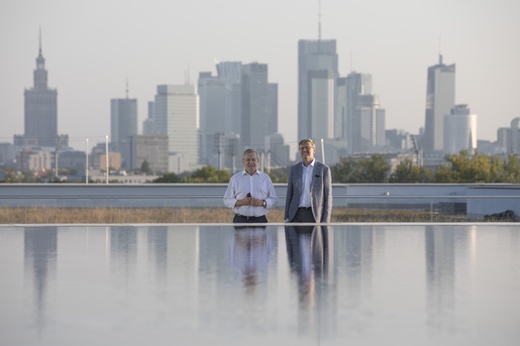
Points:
point(343, 284)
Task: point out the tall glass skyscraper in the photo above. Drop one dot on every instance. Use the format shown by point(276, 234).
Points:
point(176, 114)
point(123, 125)
point(259, 106)
point(440, 99)
point(460, 130)
point(317, 76)
point(41, 109)
point(350, 91)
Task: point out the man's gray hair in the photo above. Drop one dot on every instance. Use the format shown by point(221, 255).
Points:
point(307, 140)
point(249, 151)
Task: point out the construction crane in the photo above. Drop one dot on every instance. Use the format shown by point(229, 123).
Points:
point(417, 150)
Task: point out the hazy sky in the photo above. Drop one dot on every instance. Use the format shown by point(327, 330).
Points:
point(92, 48)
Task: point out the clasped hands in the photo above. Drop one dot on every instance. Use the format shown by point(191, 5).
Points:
point(250, 201)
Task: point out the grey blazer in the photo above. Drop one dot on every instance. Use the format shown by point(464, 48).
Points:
point(321, 192)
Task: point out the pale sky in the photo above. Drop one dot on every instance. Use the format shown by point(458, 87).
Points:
point(91, 48)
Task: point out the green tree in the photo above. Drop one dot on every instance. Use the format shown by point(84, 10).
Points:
point(145, 168)
point(373, 170)
point(208, 174)
point(510, 172)
point(342, 172)
point(463, 168)
point(279, 175)
point(167, 178)
point(407, 172)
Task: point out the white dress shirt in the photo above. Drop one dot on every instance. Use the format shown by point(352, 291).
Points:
point(259, 185)
point(305, 199)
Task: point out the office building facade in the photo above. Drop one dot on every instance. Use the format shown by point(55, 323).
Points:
point(368, 124)
point(317, 75)
point(212, 96)
point(460, 131)
point(220, 114)
point(349, 91)
point(176, 115)
point(150, 148)
point(259, 105)
point(123, 125)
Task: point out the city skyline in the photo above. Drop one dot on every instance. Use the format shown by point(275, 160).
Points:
point(90, 56)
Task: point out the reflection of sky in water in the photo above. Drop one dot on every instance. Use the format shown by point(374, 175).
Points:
point(364, 284)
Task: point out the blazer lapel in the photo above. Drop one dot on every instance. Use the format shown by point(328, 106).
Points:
point(316, 172)
point(299, 180)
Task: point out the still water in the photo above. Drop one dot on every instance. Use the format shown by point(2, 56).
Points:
point(403, 284)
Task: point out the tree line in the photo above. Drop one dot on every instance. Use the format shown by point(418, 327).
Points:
point(460, 168)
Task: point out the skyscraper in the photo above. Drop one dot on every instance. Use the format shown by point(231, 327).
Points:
point(259, 106)
point(317, 74)
point(176, 114)
point(440, 98)
point(368, 124)
point(350, 89)
point(41, 109)
point(123, 124)
point(220, 113)
point(231, 73)
point(212, 98)
point(460, 130)
point(515, 136)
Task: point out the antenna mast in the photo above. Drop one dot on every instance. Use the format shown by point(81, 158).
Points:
point(187, 76)
point(40, 39)
point(319, 20)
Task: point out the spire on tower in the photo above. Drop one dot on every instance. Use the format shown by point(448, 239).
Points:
point(40, 40)
point(126, 90)
point(440, 52)
point(319, 20)
point(187, 76)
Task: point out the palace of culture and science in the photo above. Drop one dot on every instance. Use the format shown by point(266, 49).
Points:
point(210, 123)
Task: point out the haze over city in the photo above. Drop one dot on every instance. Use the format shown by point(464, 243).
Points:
point(93, 48)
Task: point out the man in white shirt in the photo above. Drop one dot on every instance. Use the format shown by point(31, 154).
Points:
point(250, 193)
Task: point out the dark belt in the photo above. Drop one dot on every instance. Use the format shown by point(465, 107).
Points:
point(305, 208)
point(250, 218)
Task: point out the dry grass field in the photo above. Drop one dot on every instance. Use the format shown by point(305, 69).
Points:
point(35, 215)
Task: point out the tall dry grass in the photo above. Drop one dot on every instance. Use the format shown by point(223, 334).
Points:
point(38, 215)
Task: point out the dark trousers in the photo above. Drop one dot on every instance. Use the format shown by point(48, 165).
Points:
point(249, 219)
point(304, 215)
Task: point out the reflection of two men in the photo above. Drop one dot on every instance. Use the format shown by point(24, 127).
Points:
point(308, 253)
point(251, 250)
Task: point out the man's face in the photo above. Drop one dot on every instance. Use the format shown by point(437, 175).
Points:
point(250, 162)
point(307, 151)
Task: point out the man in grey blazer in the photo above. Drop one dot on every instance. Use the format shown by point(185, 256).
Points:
point(309, 190)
